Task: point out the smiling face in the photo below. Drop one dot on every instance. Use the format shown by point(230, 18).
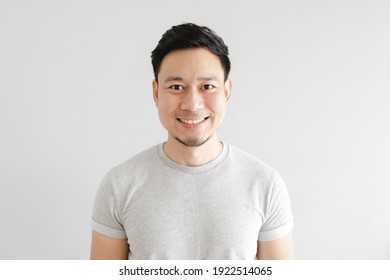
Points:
point(191, 95)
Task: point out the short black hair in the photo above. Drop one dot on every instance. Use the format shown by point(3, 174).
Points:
point(190, 35)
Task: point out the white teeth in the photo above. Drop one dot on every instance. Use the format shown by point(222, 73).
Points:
point(191, 121)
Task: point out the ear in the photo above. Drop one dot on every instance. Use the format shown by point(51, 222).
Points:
point(228, 89)
point(155, 92)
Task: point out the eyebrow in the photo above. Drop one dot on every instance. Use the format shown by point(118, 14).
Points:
point(173, 78)
point(201, 79)
point(211, 78)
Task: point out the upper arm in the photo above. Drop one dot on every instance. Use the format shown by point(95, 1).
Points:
point(107, 248)
point(278, 249)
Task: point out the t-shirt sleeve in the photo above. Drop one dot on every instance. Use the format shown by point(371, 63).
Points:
point(278, 218)
point(105, 216)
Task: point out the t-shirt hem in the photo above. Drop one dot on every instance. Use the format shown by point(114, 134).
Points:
point(276, 233)
point(110, 232)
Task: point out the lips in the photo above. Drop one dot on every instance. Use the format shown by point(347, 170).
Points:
point(192, 121)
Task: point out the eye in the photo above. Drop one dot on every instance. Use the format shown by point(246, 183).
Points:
point(176, 87)
point(208, 87)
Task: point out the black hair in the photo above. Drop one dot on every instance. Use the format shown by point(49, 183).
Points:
point(189, 35)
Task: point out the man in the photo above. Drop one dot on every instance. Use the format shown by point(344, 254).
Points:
point(192, 197)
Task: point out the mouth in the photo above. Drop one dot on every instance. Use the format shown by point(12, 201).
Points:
point(192, 122)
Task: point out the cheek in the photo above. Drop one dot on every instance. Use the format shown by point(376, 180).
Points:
point(166, 106)
point(218, 105)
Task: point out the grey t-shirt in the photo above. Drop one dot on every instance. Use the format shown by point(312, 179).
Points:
point(215, 211)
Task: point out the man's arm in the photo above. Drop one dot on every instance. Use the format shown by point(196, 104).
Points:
point(107, 248)
point(278, 249)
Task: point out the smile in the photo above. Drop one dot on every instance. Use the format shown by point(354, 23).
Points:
point(192, 121)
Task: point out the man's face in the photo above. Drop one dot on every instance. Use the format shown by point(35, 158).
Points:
point(191, 95)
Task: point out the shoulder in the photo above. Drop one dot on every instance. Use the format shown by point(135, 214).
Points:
point(138, 161)
point(250, 165)
point(134, 168)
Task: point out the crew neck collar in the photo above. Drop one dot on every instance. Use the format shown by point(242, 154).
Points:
point(197, 169)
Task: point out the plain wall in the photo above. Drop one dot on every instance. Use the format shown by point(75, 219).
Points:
point(311, 98)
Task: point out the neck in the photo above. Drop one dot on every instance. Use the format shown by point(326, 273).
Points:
point(193, 156)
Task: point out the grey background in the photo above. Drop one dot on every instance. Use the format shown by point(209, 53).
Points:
point(311, 98)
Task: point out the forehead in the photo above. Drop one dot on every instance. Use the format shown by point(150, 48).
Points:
point(191, 63)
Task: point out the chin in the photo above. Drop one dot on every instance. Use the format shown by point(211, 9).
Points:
point(192, 142)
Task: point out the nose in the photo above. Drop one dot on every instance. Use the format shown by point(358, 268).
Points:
point(192, 100)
